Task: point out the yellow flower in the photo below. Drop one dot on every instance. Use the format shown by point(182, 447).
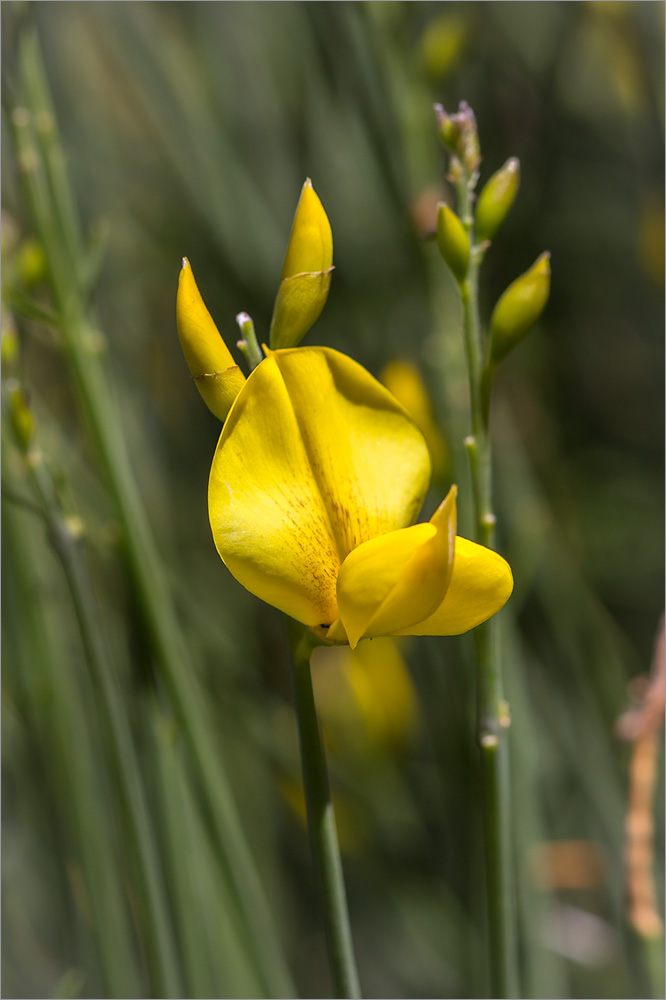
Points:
point(317, 477)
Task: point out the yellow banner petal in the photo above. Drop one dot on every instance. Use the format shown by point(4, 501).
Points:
point(368, 457)
point(315, 458)
point(481, 584)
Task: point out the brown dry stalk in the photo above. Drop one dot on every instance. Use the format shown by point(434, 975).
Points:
point(641, 725)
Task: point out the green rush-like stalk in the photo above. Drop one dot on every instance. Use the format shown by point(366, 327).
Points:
point(52, 211)
point(321, 818)
point(67, 545)
point(492, 710)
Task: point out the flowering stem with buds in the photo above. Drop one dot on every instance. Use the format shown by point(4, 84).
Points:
point(492, 709)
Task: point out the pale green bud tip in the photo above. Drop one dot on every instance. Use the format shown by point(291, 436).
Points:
point(519, 308)
point(496, 199)
point(459, 134)
point(453, 242)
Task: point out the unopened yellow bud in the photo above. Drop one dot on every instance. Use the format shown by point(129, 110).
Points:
point(218, 377)
point(519, 308)
point(496, 199)
point(306, 273)
point(453, 242)
point(31, 263)
point(21, 416)
point(9, 342)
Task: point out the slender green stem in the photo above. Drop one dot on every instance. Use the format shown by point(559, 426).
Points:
point(65, 731)
point(249, 344)
point(321, 819)
point(492, 710)
point(67, 545)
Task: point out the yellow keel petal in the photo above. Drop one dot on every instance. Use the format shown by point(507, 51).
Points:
point(481, 584)
point(397, 579)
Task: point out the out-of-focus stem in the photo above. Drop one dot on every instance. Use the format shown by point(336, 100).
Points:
point(321, 819)
point(160, 943)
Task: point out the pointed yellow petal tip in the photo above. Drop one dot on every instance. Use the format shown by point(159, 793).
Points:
point(399, 579)
point(306, 273)
point(218, 377)
point(481, 584)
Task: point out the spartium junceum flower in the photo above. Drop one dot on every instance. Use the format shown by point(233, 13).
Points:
point(317, 479)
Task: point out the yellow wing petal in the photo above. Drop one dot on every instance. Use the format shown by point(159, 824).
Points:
point(315, 458)
point(400, 578)
point(218, 377)
point(481, 584)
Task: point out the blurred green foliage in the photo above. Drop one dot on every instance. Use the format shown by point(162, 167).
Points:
point(188, 129)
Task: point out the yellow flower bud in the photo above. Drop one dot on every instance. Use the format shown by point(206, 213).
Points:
point(31, 263)
point(21, 416)
point(519, 308)
point(496, 199)
point(9, 342)
point(306, 273)
point(218, 377)
point(453, 242)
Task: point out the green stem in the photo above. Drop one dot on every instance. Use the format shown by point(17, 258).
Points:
point(249, 344)
point(492, 709)
point(321, 818)
point(161, 949)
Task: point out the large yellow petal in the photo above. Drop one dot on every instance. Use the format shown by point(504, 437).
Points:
point(368, 457)
point(481, 584)
point(218, 377)
point(315, 458)
point(397, 579)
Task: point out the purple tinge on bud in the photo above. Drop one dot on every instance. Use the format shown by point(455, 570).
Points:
point(459, 134)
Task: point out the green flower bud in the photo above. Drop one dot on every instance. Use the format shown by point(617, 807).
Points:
point(453, 242)
point(519, 308)
point(496, 199)
point(459, 134)
point(448, 128)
